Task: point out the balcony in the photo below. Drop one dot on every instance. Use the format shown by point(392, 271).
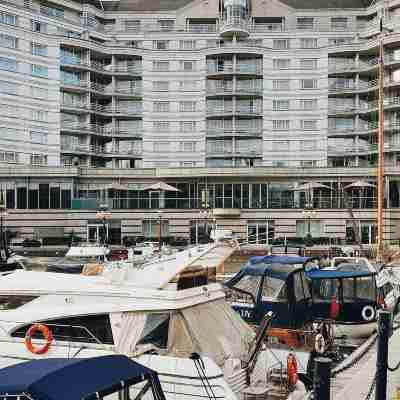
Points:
point(234, 26)
point(352, 150)
point(240, 132)
point(270, 27)
point(245, 69)
point(99, 150)
point(230, 91)
point(100, 130)
point(201, 28)
point(76, 84)
point(72, 60)
point(77, 106)
point(230, 111)
point(229, 153)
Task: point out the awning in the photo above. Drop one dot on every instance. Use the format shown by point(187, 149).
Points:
point(75, 379)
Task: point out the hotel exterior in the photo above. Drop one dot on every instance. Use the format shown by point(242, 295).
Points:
point(236, 103)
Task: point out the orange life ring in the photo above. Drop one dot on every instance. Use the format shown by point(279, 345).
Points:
point(292, 373)
point(45, 331)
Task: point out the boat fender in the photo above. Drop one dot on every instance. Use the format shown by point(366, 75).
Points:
point(368, 313)
point(292, 371)
point(320, 344)
point(48, 336)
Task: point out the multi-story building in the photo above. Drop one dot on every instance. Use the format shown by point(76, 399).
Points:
point(118, 85)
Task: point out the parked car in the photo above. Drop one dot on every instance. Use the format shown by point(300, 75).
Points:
point(31, 243)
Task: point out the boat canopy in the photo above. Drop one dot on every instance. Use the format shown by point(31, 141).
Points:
point(338, 274)
point(64, 379)
point(287, 260)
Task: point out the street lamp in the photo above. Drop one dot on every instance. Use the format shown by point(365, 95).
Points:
point(308, 213)
point(159, 221)
point(103, 214)
point(3, 239)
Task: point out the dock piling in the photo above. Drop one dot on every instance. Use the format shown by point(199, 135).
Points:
point(384, 322)
point(322, 378)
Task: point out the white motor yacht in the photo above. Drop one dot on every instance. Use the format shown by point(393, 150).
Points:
point(162, 315)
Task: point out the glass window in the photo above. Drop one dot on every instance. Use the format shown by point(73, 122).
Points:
point(188, 65)
point(308, 124)
point(280, 125)
point(308, 63)
point(281, 84)
point(8, 41)
point(161, 66)
point(8, 87)
point(161, 86)
point(84, 329)
point(325, 289)
point(281, 44)
point(155, 331)
point(38, 137)
point(280, 105)
point(305, 23)
point(339, 23)
point(7, 18)
point(187, 106)
point(160, 44)
point(8, 64)
point(38, 92)
point(187, 44)
point(273, 289)
point(298, 287)
point(38, 49)
point(151, 228)
point(283, 63)
point(38, 159)
point(38, 26)
point(309, 84)
point(249, 284)
point(12, 302)
point(39, 70)
point(161, 106)
point(308, 43)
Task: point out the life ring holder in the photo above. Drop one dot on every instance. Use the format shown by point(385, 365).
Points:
point(292, 370)
point(48, 336)
point(320, 344)
point(368, 313)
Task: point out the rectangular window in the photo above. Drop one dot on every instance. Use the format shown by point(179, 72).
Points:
point(160, 44)
point(38, 137)
point(308, 43)
point(39, 70)
point(187, 106)
point(187, 164)
point(161, 146)
point(40, 93)
point(339, 23)
point(38, 26)
point(8, 41)
point(8, 64)
point(308, 145)
point(308, 63)
point(339, 40)
point(8, 87)
point(188, 147)
point(308, 104)
point(39, 115)
point(166, 25)
point(305, 23)
point(188, 66)
point(161, 106)
point(132, 25)
point(161, 126)
point(38, 159)
point(187, 85)
point(151, 228)
point(308, 84)
point(281, 44)
point(38, 49)
point(187, 44)
point(308, 124)
point(7, 18)
point(281, 105)
point(187, 126)
point(161, 66)
point(52, 11)
point(280, 145)
point(281, 84)
point(8, 156)
point(280, 125)
point(281, 63)
point(161, 86)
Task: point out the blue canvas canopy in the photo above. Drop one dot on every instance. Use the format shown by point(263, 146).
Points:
point(75, 379)
point(287, 260)
point(337, 274)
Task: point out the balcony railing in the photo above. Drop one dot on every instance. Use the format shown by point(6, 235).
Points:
point(75, 83)
point(101, 130)
point(240, 69)
point(100, 150)
point(71, 60)
point(201, 28)
point(271, 27)
point(230, 110)
point(351, 150)
point(234, 132)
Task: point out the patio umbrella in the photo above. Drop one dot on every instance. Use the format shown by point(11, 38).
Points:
point(359, 185)
point(311, 186)
point(162, 187)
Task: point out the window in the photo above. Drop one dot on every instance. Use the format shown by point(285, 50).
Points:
point(160, 44)
point(166, 25)
point(308, 104)
point(308, 43)
point(302, 228)
point(188, 147)
point(7, 18)
point(339, 40)
point(161, 126)
point(161, 146)
point(161, 106)
point(8, 87)
point(8, 156)
point(281, 84)
point(188, 65)
point(40, 93)
point(308, 63)
point(187, 164)
point(339, 23)
point(281, 63)
point(273, 289)
point(155, 331)
point(85, 329)
point(308, 84)
point(15, 301)
point(38, 26)
point(132, 25)
point(39, 115)
point(281, 105)
point(39, 70)
point(52, 11)
point(8, 41)
point(305, 23)
point(308, 124)
point(38, 137)
point(8, 64)
point(38, 49)
point(38, 159)
point(187, 44)
point(161, 86)
point(187, 126)
point(187, 85)
point(161, 66)
point(308, 145)
point(280, 145)
point(280, 125)
point(187, 106)
point(281, 44)
point(151, 226)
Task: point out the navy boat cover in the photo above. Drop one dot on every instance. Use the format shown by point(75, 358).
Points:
point(75, 379)
point(337, 274)
point(288, 260)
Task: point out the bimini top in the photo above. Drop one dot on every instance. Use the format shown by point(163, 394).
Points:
point(287, 260)
point(338, 274)
point(75, 379)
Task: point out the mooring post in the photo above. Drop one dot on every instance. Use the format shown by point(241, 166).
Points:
point(384, 321)
point(322, 378)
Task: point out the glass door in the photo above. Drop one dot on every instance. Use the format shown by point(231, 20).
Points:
point(260, 232)
point(95, 233)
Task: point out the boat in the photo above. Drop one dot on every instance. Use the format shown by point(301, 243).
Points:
point(112, 376)
point(161, 316)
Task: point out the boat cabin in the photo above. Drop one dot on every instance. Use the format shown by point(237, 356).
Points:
point(272, 283)
point(347, 295)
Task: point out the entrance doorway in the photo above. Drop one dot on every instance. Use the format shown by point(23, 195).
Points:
point(95, 233)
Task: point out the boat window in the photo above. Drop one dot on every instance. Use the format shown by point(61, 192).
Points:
point(155, 331)
point(249, 284)
point(273, 289)
point(325, 289)
point(13, 302)
point(298, 287)
point(361, 288)
point(306, 286)
point(84, 329)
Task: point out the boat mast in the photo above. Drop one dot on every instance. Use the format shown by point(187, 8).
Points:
point(380, 170)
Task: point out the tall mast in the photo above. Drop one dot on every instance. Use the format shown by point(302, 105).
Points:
point(380, 172)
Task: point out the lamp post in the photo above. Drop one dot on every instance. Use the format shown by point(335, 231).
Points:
point(103, 215)
point(159, 221)
point(308, 213)
point(3, 239)
point(206, 215)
